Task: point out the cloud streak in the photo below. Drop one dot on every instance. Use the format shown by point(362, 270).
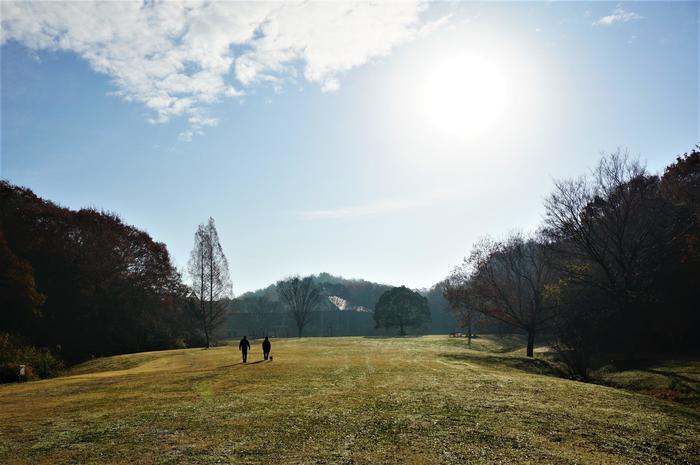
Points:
point(180, 58)
point(618, 15)
point(378, 207)
point(360, 211)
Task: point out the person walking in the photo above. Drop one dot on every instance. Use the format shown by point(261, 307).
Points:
point(244, 347)
point(266, 346)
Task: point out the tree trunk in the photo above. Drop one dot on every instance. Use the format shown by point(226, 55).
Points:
point(401, 331)
point(202, 304)
point(204, 323)
point(469, 330)
point(530, 342)
point(209, 321)
point(300, 328)
point(206, 338)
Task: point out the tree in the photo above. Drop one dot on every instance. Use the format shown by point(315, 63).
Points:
point(302, 298)
point(600, 218)
point(680, 273)
point(579, 324)
point(208, 269)
point(618, 232)
point(18, 295)
point(443, 318)
point(507, 280)
point(401, 307)
point(456, 290)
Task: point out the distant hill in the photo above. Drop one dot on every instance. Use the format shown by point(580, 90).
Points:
point(351, 300)
point(339, 294)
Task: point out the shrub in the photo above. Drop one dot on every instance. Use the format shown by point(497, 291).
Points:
point(39, 362)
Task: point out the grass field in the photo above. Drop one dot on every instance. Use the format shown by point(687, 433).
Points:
point(422, 400)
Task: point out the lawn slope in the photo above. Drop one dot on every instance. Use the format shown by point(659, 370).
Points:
point(338, 400)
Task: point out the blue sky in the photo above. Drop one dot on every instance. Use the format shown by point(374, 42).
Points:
point(309, 144)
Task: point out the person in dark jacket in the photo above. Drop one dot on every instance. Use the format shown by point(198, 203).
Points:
point(266, 348)
point(244, 347)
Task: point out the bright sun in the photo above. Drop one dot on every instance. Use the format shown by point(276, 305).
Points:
point(464, 95)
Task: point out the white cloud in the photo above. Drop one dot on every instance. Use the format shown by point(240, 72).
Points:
point(185, 136)
point(179, 58)
point(618, 15)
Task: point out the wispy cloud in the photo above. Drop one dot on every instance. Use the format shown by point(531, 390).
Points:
point(359, 211)
point(378, 207)
point(429, 28)
point(179, 58)
point(618, 15)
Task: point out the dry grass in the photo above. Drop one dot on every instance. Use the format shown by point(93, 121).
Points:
point(338, 400)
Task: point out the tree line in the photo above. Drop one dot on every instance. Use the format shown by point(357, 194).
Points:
point(612, 273)
point(78, 284)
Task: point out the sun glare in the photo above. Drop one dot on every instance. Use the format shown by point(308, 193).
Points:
point(464, 95)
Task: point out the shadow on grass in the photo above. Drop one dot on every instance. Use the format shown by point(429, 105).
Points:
point(241, 363)
point(220, 367)
point(676, 373)
point(538, 366)
point(504, 343)
point(686, 382)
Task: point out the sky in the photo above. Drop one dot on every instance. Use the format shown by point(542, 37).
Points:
point(369, 140)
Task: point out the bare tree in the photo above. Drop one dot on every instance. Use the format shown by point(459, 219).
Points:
point(615, 221)
point(456, 289)
point(208, 269)
point(507, 280)
point(612, 230)
point(611, 218)
point(302, 298)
